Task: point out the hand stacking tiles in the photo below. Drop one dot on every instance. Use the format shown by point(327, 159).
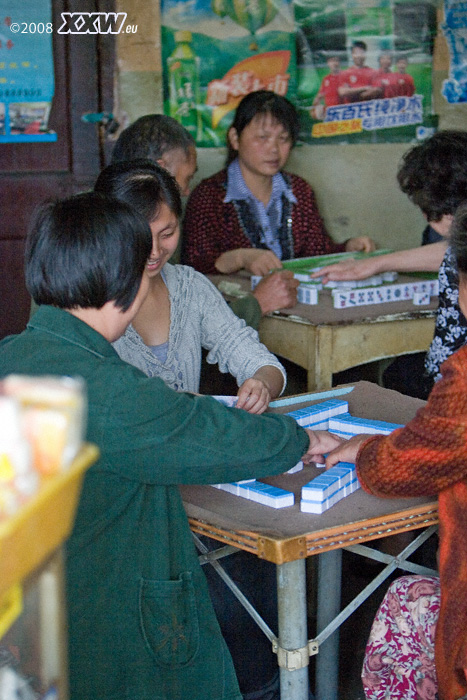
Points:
point(329, 486)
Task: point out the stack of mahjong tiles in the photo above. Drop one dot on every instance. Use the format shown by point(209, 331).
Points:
point(259, 492)
point(330, 486)
point(378, 289)
point(340, 481)
point(377, 292)
point(315, 417)
point(256, 490)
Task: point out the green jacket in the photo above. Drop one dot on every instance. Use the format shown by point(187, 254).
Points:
point(141, 624)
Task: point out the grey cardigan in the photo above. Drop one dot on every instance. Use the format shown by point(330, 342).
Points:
point(199, 317)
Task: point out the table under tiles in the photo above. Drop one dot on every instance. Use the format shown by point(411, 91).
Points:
point(287, 537)
point(324, 340)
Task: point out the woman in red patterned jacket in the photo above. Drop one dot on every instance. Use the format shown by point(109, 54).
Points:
point(426, 457)
point(252, 214)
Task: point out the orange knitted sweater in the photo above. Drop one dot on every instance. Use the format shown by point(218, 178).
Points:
point(426, 457)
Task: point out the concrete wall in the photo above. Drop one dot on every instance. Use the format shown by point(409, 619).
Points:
point(355, 185)
point(356, 190)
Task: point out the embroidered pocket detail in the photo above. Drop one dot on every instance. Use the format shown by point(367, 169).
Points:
point(169, 620)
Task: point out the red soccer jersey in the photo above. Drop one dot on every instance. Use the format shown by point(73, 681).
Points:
point(355, 77)
point(328, 89)
point(405, 84)
point(389, 82)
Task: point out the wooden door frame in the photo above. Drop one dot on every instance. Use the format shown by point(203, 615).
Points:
point(33, 172)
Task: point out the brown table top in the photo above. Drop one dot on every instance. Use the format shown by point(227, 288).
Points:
point(325, 313)
point(287, 534)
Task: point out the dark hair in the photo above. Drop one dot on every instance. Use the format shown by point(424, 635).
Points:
point(458, 238)
point(151, 137)
point(359, 45)
point(86, 250)
point(141, 184)
point(264, 102)
point(433, 174)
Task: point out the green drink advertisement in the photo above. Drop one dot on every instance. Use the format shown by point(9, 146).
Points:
point(356, 70)
point(214, 52)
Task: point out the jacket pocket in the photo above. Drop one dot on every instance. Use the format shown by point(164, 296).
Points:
point(169, 620)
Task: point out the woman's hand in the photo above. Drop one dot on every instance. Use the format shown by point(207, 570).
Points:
point(336, 448)
point(254, 396)
point(276, 291)
point(347, 451)
point(321, 442)
point(349, 270)
point(255, 260)
point(363, 244)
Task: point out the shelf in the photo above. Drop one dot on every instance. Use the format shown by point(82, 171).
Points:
point(40, 527)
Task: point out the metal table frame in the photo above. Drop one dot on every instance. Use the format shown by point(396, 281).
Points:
point(292, 646)
point(326, 537)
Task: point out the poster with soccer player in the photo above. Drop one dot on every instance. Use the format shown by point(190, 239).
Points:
point(26, 71)
point(364, 70)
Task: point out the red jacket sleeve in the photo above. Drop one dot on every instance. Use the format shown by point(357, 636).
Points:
point(212, 227)
point(429, 454)
point(203, 236)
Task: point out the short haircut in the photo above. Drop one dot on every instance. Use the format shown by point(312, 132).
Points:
point(458, 238)
point(264, 103)
point(86, 250)
point(151, 137)
point(143, 185)
point(433, 174)
point(359, 45)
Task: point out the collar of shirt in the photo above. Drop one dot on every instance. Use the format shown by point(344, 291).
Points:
point(269, 218)
point(238, 189)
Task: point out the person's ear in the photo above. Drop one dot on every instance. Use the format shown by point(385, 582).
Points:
point(233, 138)
point(162, 162)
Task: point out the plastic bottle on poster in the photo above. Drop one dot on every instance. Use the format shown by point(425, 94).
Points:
point(183, 70)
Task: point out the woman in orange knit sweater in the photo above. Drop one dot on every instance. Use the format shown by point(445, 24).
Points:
point(426, 457)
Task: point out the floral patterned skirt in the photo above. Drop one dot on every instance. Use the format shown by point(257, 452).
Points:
point(399, 657)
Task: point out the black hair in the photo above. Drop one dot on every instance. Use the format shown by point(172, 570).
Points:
point(151, 137)
point(264, 102)
point(359, 45)
point(86, 250)
point(458, 238)
point(143, 185)
point(433, 174)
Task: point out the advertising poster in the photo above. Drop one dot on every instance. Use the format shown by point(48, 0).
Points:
point(216, 51)
point(364, 69)
point(26, 71)
point(455, 30)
